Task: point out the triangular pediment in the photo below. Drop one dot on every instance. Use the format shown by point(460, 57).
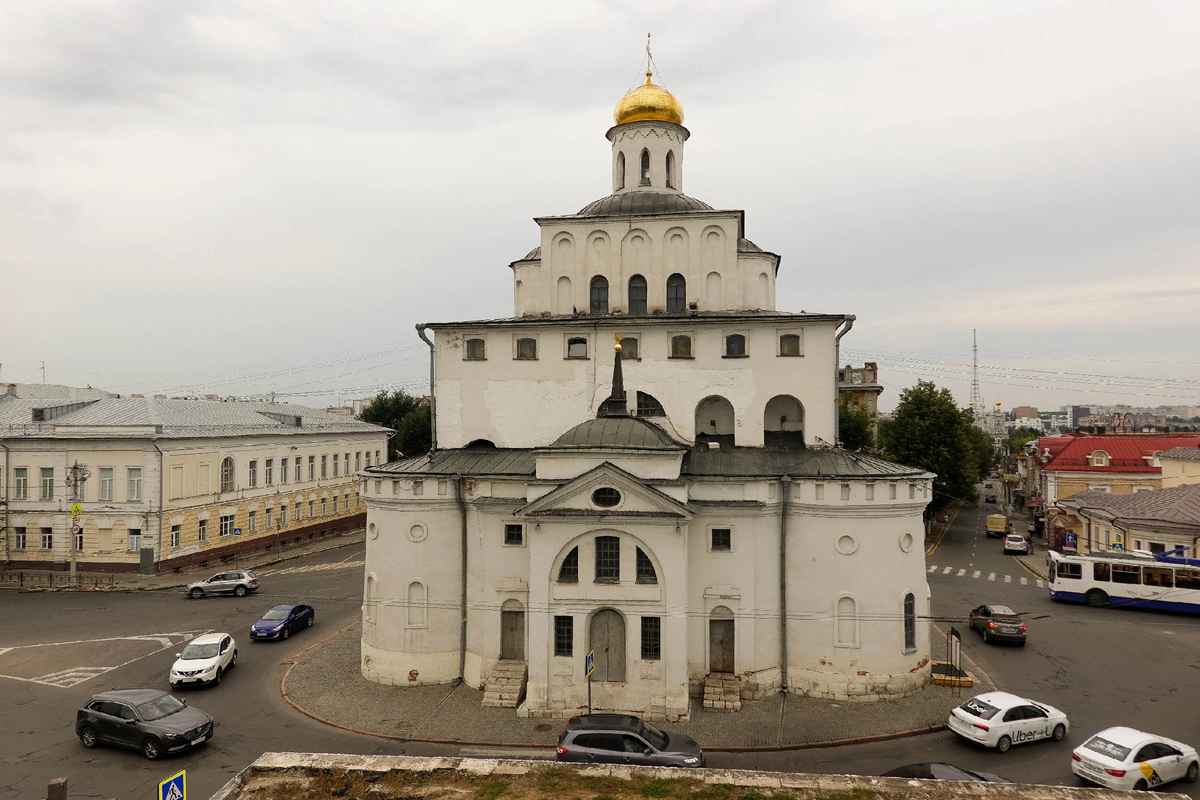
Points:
point(577, 498)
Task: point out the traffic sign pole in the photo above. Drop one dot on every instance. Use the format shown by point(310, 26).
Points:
point(590, 664)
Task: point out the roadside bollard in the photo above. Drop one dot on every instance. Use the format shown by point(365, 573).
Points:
point(57, 790)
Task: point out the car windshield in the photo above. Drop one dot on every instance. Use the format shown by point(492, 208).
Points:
point(193, 651)
point(159, 707)
point(978, 708)
point(656, 738)
point(276, 614)
point(1106, 748)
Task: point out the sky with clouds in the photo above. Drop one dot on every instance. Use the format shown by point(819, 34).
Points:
point(240, 197)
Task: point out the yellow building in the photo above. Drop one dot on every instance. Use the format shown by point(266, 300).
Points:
point(1180, 467)
point(150, 484)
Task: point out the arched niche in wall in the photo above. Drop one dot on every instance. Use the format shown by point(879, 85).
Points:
point(712, 249)
point(564, 302)
point(599, 255)
point(712, 291)
point(677, 252)
point(636, 258)
point(764, 290)
point(783, 422)
point(564, 254)
point(715, 421)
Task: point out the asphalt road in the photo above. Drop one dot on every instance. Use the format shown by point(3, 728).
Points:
point(1102, 666)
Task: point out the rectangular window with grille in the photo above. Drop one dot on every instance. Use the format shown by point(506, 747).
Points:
point(514, 533)
point(608, 559)
point(312, 468)
point(176, 535)
point(19, 538)
point(564, 636)
point(324, 466)
point(226, 525)
point(722, 539)
point(202, 532)
point(283, 470)
point(47, 538)
point(651, 638)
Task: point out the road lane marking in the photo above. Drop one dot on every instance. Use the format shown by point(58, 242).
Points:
point(933, 568)
point(991, 576)
point(946, 571)
point(1008, 578)
point(1040, 584)
point(66, 678)
point(311, 568)
point(962, 572)
point(1024, 581)
point(976, 575)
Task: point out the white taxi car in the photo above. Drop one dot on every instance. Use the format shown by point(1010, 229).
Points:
point(1000, 720)
point(1124, 758)
point(204, 660)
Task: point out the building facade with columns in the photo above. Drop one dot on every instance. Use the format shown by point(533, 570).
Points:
point(641, 464)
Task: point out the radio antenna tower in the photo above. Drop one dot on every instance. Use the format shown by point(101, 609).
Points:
point(976, 396)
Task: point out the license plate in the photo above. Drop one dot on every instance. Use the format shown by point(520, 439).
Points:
point(201, 739)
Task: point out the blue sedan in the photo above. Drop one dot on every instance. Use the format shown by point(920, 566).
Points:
point(280, 621)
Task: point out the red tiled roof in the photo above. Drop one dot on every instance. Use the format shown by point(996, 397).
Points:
point(1125, 453)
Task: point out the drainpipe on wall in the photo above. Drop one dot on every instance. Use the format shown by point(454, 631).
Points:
point(162, 495)
point(7, 554)
point(786, 483)
point(462, 635)
point(432, 395)
point(848, 322)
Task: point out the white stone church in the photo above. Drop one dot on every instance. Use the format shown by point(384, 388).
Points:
point(675, 505)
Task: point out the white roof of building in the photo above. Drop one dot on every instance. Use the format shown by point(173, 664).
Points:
point(51, 391)
point(161, 418)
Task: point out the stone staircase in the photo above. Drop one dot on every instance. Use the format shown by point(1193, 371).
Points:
point(506, 684)
point(722, 691)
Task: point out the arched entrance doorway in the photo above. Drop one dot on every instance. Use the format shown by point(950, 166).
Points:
point(512, 630)
point(720, 640)
point(607, 639)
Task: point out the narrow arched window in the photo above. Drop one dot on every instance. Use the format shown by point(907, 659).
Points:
point(569, 571)
point(910, 623)
point(847, 622)
point(227, 472)
point(620, 181)
point(599, 295)
point(671, 169)
point(637, 295)
point(676, 293)
point(645, 568)
point(645, 168)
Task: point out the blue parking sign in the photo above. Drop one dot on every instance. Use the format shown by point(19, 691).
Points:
point(174, 787)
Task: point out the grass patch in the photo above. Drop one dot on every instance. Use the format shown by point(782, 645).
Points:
point(716, 791)
point(604, 784)
point(853, 794)
point(557, 779)
point(491, 789)
point(659, 787)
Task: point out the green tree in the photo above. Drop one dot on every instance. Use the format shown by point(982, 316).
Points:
point(1019, 437)
point(929, 431)
point(856, 426)
point(393, 410)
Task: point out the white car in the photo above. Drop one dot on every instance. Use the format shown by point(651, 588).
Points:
point(204, 660)
point(1124, 758)
point(1016, 543)
point(1000, 720)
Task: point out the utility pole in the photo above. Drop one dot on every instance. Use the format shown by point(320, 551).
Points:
point(43, 372)
point(78, 475)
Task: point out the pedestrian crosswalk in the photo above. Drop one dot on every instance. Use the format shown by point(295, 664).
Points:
point(960, 572)
point(311, 568)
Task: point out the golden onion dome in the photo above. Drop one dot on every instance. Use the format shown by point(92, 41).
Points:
point(648, 101)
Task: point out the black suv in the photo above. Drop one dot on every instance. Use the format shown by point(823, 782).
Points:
point(143, 719)
point(622, 739)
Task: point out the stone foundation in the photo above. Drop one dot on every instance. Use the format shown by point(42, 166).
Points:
point(862, 687)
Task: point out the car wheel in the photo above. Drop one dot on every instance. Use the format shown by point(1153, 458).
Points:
point(1003, 745)
point(217, 679)
point(1193, 772)
point(88, 737)
point(151, 749)
point(233, 661)
point(310, 621)
point(1060, 732)
point(1141, 785)
point(240, 591)
point(1096, 598)
point(985, 636)
point(1021, 643)
point(287, 632)
point(196, 594)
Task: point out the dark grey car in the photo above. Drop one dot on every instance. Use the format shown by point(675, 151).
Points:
point(623, 739)
point(143, 719)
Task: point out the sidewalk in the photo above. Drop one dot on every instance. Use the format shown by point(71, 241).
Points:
point(46, 581)
point(325, 683)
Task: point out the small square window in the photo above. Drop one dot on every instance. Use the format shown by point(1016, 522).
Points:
point(514, 533)
point(527, 349)
point(722, 539)
point(475, 350)
point(564, 636)
point(630, 349)
point(681, 346)
point(577, 348)
point(789, 344)
point(735, 345)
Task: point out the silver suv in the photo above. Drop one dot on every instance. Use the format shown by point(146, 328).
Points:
point(239, 581)
point(624, 739)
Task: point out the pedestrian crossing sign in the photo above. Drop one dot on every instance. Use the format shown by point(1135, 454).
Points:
point(174, 787)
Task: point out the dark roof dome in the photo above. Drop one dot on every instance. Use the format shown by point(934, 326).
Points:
point(617, 432)
point(638, 203)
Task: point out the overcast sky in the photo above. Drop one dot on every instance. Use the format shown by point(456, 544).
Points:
point(251, 196)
